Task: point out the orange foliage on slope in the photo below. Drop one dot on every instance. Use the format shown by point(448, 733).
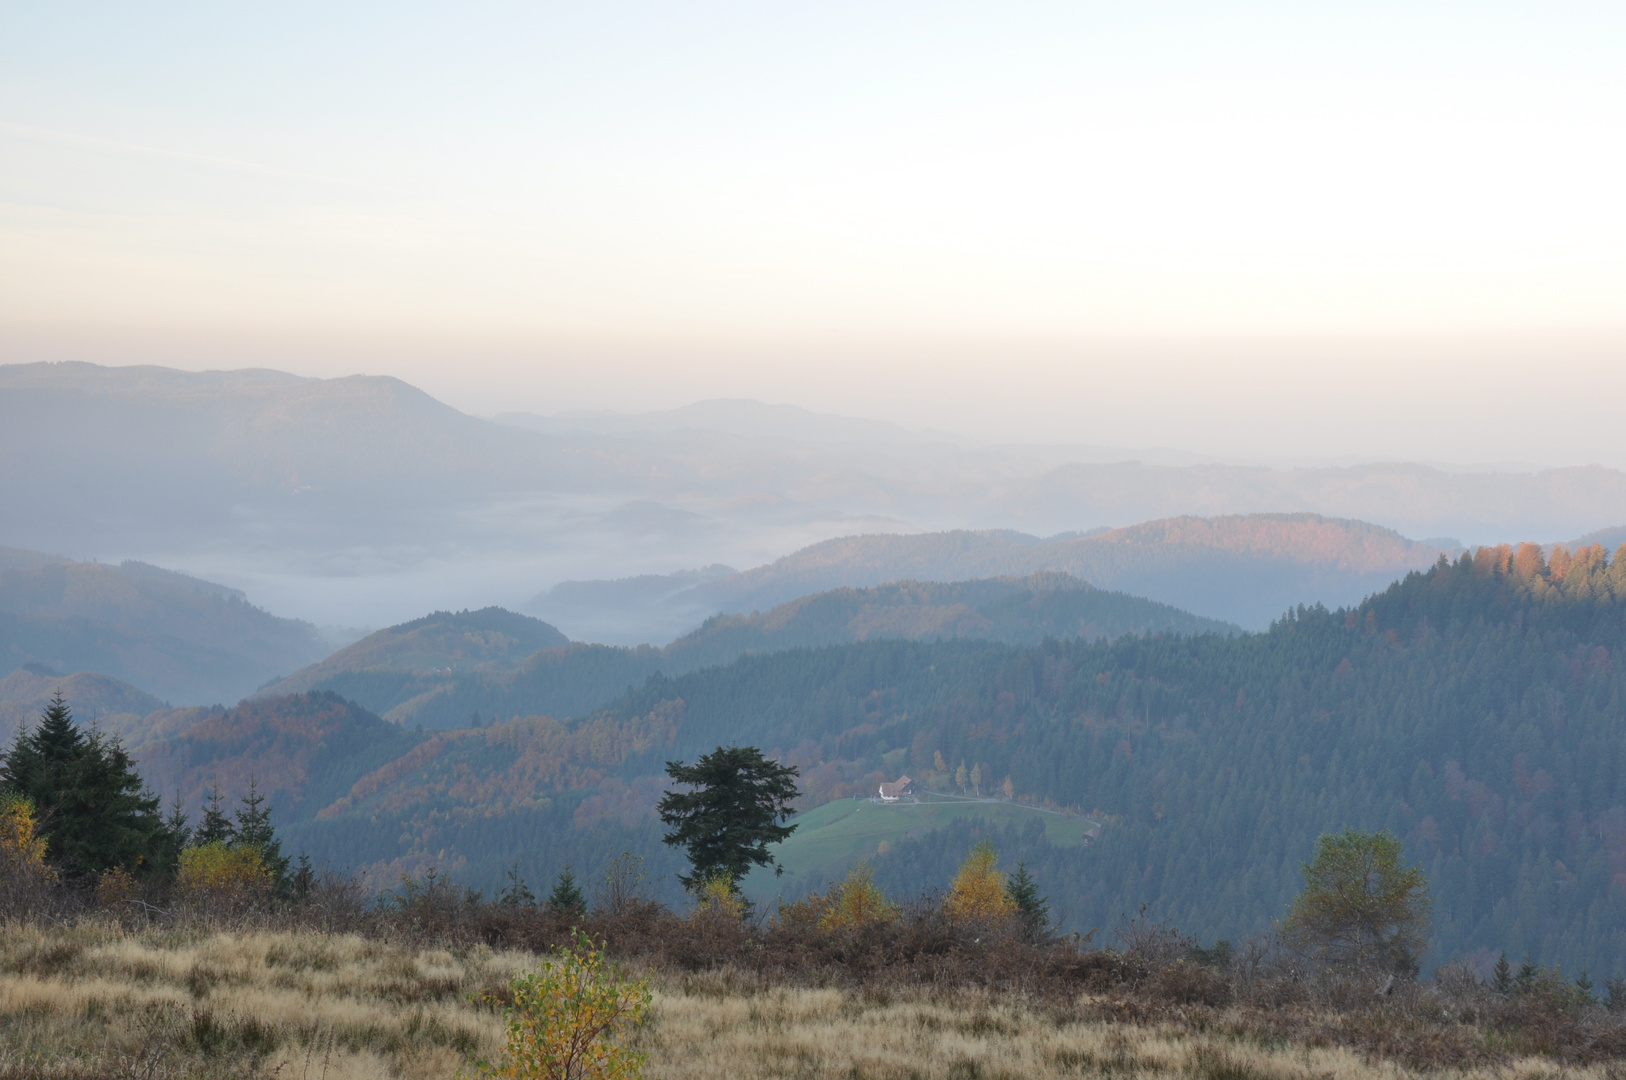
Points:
point(1304, 538)
point(275, 740)
point(508, 765)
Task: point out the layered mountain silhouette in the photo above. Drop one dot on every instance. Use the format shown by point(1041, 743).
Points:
point(1244, 569)
point(451, 670)
point(315, 485)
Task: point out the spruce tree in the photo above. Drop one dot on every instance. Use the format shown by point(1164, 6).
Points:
point(566, 897)
point(731, 813)
point(1502, 976)
point(254, 829)
point(216, 827)
point(178, 824)
point(304, 877)
point(1032, 910)
point(1614, 989)
point(94, 812)
point(1525, 980)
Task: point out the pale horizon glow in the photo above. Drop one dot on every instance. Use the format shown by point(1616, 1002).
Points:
point(1274, 232)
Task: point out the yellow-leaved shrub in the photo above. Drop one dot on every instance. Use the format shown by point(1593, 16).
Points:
point(25, 878)
point(978, 892)
point(856, 902)
point(222, 872)
point(717, 896)
point(21, 850)
point(567, 1021)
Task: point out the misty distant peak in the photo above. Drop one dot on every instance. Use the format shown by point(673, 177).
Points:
point(81, 377)
point(23, 559)
point(744, 417)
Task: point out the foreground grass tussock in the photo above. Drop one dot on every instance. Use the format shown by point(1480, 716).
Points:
point(95, 1000)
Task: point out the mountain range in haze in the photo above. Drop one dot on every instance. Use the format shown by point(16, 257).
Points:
point(363, 501)
point(1245, 569)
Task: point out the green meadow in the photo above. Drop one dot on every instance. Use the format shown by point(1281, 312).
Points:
point(830, 838)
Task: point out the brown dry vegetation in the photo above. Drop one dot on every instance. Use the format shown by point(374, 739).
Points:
point(337, 990)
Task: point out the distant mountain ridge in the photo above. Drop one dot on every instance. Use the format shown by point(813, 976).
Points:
point(1242, 569)
point(732, 416)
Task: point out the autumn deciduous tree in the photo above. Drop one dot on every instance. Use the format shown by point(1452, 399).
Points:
point(856, 902)
point(978, 891)
point(731, 813)
point(717, 898)
point(1360, 905)
point(24, 875)
point(565, 1021)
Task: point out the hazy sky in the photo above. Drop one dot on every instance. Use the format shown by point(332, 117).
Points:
point(1297, 231)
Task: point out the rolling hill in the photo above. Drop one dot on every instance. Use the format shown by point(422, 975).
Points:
point(446, 671)
point(174, 636)
point(490, 639)
point(100, 699)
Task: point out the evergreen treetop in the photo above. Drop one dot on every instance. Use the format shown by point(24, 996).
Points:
point(566, 896)
point(253, 829)
point(1032, 909)
point(216, 827)
point(516, 893)
point(731, 814)
point(94, 812)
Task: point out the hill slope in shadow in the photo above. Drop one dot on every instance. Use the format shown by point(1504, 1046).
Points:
point(181, 638)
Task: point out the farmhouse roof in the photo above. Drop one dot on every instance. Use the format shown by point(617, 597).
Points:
point(892, 791)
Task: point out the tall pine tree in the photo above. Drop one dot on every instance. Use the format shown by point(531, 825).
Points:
point(254, 830)
point(216, 827)
point(94, 812)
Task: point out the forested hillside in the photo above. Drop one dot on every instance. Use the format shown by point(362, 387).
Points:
point(443, 642)
point(456, 670)
point(1018, 611)
point(101, 699)
point(1475, 709)
point(183, 639)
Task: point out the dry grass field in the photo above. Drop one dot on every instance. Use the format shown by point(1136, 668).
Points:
point(94, 1000)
